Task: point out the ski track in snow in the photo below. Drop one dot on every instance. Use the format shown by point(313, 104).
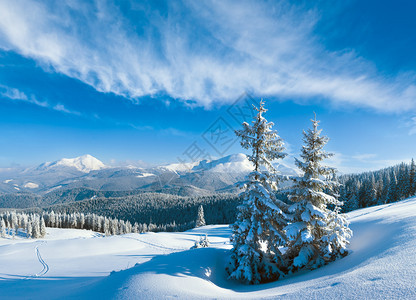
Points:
point(44, 264)
point(155, 245)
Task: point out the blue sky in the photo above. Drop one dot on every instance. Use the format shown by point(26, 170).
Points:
point(137, 81)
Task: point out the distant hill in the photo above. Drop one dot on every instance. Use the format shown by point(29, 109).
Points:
point(75, 179)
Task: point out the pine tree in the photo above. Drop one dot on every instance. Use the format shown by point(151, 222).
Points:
point(14, 224)
point(29, 228)
point(372, 193)
point(2, 228)
point(81, 221)
point(316, 234)
point(412, 178)
point(402, 182)
point(258, 230)
point(392, 194)
point(200, 221)
point(35, 227)
point(42, 227)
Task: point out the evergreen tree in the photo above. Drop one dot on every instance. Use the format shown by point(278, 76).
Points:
point(200, 221)
point(372, 192)
point(258, 230)
point(29, 228)
point(35, 227)
point(392, 194)
point(412, 178)
point(403, 182)
point(2, 228)
point(42, 227)
point(316, 234)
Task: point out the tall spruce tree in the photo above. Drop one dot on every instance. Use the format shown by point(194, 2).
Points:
point(316, 234)
point(412, 178)
point(258, 231)
point(200, 220)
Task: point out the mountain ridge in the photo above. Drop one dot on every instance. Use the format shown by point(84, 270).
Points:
point(200, 177)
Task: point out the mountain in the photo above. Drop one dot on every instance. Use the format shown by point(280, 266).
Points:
point(85, 164)
point(88, 173)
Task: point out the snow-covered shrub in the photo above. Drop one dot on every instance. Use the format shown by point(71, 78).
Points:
point(202, 243)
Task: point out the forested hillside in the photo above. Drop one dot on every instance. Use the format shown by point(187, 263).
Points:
point(379, 187)
point(155, 208)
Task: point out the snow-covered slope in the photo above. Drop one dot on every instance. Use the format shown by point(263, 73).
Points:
point(77, 264)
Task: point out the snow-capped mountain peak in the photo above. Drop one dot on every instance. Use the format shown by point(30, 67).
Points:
point(234, 163)
point(85, 164)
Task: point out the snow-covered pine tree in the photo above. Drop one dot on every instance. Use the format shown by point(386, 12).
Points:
point(2, 228)
point(135, 228)
point(29, 228)
point(258, 230)
point(200, 220)
point(392, 194)
point(42, 227)
point(35, 227)
point(412, 178)
point(81, 221)
point(316, 235)
point(14, 224)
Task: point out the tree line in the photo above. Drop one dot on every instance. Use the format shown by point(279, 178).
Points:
point(378, 187)
point(33, 225)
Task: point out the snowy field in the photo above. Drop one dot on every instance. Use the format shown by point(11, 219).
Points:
point(79, 264)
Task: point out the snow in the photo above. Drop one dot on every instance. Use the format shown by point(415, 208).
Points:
point(72, 263)
point(145, 175)
point(31, 185)
point(237, 163)
point(85, 164)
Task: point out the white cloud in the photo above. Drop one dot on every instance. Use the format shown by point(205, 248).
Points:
point(208, 52)
point(17, 95)
point(364, 156)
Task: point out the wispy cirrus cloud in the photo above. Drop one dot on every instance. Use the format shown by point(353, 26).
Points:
point(203, 51)
point(17, 95)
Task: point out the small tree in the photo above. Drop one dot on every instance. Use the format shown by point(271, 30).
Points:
point(258, 231)
point(316, 234)
point(200, 220)
point(202, 243)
